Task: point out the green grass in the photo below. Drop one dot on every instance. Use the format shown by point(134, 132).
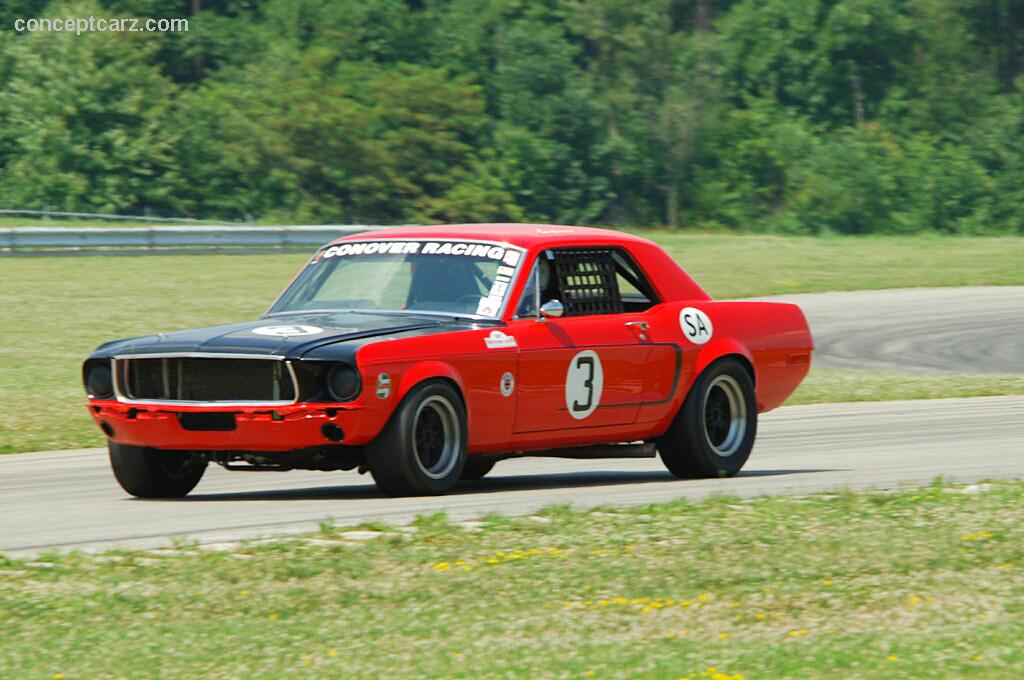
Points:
point(823, 385)
point(911, 584)
point(741, 266)
point(55, 310)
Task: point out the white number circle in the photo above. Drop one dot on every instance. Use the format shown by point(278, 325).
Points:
point(583, 384)
point(287, 331)
point(696, 325)
point(508, 384)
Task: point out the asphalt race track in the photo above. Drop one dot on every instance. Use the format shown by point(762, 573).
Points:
point(937, 330)
point(68, 500)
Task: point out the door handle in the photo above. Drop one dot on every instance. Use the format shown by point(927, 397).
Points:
point(641, 326)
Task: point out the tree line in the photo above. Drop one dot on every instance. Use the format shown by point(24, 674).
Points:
point(796, 116)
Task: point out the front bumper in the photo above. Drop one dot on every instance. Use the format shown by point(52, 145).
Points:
point(283, 428)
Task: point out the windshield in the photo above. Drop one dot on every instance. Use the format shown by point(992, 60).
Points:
point(465, 278)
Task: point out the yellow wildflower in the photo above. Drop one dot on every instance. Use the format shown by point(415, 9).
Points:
point(826, 581)
point(723, 636)
point(891, 657)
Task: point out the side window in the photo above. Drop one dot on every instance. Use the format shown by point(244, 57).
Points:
point(527, 302)
point(587, 281)
point(637, 293)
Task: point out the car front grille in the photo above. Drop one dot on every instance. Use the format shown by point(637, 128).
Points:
point(206, 379)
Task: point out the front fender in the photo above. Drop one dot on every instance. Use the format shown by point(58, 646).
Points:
point(426, 370)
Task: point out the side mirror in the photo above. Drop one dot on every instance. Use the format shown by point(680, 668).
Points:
point(552, 309)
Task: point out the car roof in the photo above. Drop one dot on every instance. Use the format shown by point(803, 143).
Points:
point(523, 235)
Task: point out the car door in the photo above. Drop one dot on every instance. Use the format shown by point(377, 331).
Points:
point(585, 369)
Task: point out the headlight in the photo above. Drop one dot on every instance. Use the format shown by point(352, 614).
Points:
point(99, 382)
point(343, 383)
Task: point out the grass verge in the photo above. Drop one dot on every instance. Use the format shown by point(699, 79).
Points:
point(916, 583)
point(55, 310)
point(823, 386)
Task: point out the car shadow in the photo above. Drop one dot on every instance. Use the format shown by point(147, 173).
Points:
point(497, 484)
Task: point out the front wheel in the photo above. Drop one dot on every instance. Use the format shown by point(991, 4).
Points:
point(422, 449)
point(151, 473)
point(714, 431)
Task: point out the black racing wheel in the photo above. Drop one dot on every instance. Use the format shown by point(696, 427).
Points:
point(422, 449)
point(714, 431)
point(152, 473)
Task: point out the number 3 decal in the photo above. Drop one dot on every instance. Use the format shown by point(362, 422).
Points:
point(583, 384)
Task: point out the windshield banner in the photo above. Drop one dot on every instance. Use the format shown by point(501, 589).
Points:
point(505, 254)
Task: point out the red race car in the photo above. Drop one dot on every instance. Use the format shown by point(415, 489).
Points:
point(424, 355)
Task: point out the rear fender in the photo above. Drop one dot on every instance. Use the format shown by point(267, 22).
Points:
point(718, 348)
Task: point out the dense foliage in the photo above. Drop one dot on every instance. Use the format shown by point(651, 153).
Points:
point(803, 116)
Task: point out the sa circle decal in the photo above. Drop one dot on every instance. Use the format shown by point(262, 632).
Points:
point(696, 325)
point(583, 384)
point(287, 331)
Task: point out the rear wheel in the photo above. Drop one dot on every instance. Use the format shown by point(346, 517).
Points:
point(476, 468)
point(151, 473)
point(714, 431)
point(422, 449)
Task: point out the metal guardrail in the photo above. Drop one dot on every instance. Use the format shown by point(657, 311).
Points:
point(13, 238)
point(60, 214)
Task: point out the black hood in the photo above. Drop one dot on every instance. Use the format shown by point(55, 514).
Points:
point(288, 335)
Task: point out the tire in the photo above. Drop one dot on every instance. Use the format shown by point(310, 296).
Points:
point(151, 473)
point(476, 468)
point(714, 431)
point(422, 449)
